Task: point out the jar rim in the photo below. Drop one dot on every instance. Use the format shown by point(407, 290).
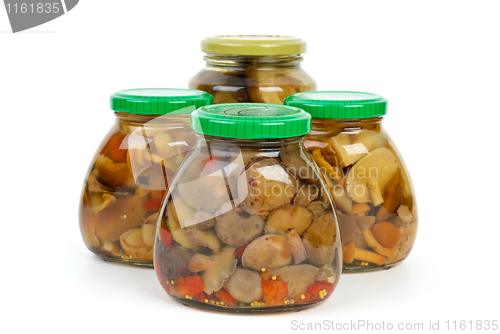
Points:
point(250, 121)
point(253, 45)
point(339, 104)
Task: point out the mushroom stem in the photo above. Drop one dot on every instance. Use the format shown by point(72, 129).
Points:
point(364, 255)
point(375, 192)
point(348, 252)
point(320, 160)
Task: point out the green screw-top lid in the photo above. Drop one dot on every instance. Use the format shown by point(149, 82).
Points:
point(159, 101)
point(341, 105)
point(251, 121)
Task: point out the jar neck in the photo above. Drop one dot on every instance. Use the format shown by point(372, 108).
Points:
point(244, 61)
point(347, 123)
point(266, 143)
point(142, 119)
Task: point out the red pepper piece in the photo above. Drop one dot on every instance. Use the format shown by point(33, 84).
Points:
point(274, 292)
point(226, 298)
point(239, 252)
point(189, 285)
point(152, 205)
point(166, 237)
point(321, 290)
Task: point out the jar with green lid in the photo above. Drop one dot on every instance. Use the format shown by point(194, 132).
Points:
point(252, 68)
point(132, 169)
point(247, 224)
point(366, 175)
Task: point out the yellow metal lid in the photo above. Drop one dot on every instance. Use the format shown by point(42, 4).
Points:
point(253, 45)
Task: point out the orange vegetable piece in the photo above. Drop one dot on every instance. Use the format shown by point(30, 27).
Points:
point(266, 275)
point(112, 149)
point(304, 297)
point(321, 290)
point(166, 237)
point(152, 205)
point(189, 285)
point(200, 297)
point(226, 298)
point(239, 252)
point(386, 233)
point(274, 292)
point(348, 252)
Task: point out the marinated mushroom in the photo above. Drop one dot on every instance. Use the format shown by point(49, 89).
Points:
point(306, 193)
point(244, 285)
point(112, 173)
point(132, 243)
point(289, 217)
point(268, 251)
point(174, 261)
point(296, 246)
point(194, 192)
point(235, 226)
point(298, 277)
point(223, 266)
point(206, 238)
point(319, 240)
point(293, 157)
point(123, 215)
point(199, 262)
point(370, 176)
point(179, 234)
point(265, 186)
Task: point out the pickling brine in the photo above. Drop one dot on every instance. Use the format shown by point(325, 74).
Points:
point(252, 68)
point(132, 169)
point(248, 225)
point(366, 176)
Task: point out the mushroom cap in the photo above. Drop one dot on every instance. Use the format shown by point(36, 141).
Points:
point(381, 164)
point(298, 277)
point(268, 251)
point(235, 226)
point(294, 157)
point(265, 185)
point(244, 285)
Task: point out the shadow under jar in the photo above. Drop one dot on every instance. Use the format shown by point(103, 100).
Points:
point(366, 175)
point(248, 225)
point(130, 172)
point(252, 68)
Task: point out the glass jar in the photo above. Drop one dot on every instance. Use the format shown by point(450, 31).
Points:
point(366, 175)
point(247, 224)
point(132, 169)
point(250, 68)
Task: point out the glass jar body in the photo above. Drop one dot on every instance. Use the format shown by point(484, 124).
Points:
point(126, 182)
point(261, 79)
point(248, 227)
point(372, 191)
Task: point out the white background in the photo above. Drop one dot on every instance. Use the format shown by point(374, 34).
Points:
point(437, 62)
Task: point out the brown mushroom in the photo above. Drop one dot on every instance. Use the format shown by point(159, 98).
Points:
point(265, 186)
point(235, 226)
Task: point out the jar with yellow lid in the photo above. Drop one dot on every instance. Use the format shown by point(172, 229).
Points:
point(248, 224)
point(132, 169)
point(366, 175)
point(252, 68)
